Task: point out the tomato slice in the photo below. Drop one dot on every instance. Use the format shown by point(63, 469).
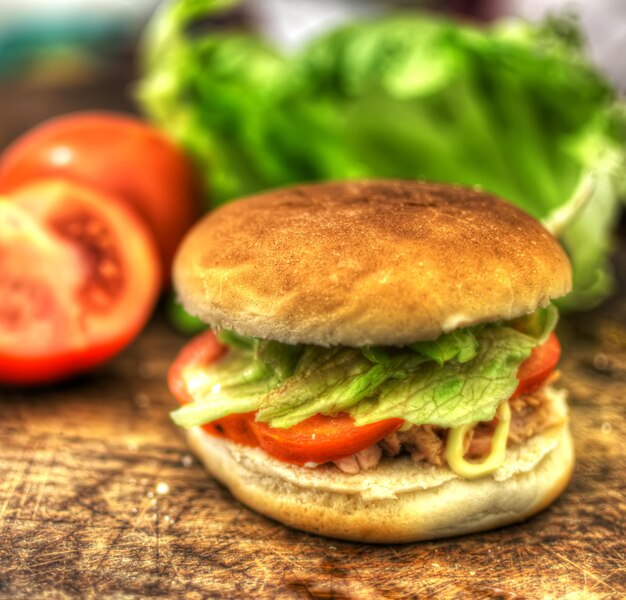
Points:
point(79, 277)
point(537, 367)
point(201, 351)
point(237, 428)
point(321, 439)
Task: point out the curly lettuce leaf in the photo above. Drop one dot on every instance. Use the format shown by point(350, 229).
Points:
point(459, 378)
point(461, 344)
point(539, 324)
point(282, 359)
point(217, 405)
point(236, 340)
point(457, 393)
point(334, 383)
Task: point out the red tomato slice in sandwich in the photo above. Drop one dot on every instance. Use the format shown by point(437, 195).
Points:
point(79, 276)
point(318, 439)
point(538, 366)
point(321, 439)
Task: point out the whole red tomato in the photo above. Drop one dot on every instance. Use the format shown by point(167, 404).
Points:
point(117, 154)
point(79, 277)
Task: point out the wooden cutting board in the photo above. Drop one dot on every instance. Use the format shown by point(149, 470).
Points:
point(100, 497)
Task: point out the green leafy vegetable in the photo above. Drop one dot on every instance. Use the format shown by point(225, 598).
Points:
point(217, 405)
point(539, 324)
point(235, 369)
point(242, 342)
point(461, 344)
point(515, 109)
point(458, 393)
point(376, 354)
point(281, 358)
point(338, 380)
point(459, 378)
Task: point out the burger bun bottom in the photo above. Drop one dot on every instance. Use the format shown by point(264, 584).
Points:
point(398, 501)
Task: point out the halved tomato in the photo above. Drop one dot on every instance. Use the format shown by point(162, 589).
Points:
point(538, 366)
point(117, 154)
point(79, 277)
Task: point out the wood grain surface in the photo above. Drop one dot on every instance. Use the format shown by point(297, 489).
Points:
point(100, 498)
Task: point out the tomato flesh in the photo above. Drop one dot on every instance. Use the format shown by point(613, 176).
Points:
point(237, 428)
point(202, 350)
point(119, 155)
point(320, 438)
point(79, 276)
point(538, 366)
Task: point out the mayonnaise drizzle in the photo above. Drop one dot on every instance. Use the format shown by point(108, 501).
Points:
point(473, 470)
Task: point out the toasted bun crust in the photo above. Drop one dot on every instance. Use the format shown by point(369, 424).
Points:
point(386, 262)
point(433, 503)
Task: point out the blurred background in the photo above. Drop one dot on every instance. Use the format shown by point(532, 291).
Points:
point(62, 55)
point(263, 93)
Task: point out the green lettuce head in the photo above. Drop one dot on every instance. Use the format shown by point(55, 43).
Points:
point(514, 108)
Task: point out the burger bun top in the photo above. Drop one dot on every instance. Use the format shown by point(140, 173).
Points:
point(364, 263)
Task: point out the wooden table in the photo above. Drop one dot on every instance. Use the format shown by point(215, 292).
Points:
point(100, 497)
